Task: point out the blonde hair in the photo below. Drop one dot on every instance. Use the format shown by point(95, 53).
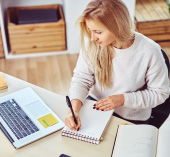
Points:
point(114, 15)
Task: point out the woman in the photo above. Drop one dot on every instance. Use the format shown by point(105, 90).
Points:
point(120, 68)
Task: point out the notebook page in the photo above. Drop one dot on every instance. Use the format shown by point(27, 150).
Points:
point(163, 148)
point(136, 141)
point(93, 122)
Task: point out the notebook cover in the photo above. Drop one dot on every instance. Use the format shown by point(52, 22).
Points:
point(31, 16)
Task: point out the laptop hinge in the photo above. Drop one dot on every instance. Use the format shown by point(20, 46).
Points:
point(6, 133)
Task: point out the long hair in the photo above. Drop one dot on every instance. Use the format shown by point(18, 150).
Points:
point(114, 15)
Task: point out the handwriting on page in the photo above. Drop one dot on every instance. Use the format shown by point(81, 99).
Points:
point(137, 141)
point(166, 124)
point(87, 130)
point(140, 146)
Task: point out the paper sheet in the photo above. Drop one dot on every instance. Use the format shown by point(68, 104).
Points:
point(136, 141)
point(163, 148)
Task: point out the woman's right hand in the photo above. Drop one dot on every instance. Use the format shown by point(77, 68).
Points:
point(69, 121)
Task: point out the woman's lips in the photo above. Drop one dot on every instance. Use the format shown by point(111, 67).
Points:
point(98, 42)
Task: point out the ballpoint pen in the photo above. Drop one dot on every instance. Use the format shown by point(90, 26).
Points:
point(70, 106)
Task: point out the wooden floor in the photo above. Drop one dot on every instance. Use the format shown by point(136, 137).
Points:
point(53, 72)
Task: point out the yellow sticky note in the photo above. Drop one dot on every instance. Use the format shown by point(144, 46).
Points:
point(48, 120)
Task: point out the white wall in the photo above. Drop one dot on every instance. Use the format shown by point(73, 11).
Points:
point(73, 9)
point(131, 6)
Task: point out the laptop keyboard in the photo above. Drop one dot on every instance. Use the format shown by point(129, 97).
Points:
point(16, 119)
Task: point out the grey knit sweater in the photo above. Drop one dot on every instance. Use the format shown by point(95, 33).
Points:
point(139, 72)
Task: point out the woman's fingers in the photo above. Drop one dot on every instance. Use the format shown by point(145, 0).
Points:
point(105, 106)
point(72, 123)
point(69, 121)
point(101, 102)
point(110, 102)
point(79, 123)
point(102, 106)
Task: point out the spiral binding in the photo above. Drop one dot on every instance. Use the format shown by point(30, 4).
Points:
point(80, 137)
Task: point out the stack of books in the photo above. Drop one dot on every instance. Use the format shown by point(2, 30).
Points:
point(3, 83)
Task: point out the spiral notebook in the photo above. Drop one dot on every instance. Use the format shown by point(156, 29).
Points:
point(93, 124)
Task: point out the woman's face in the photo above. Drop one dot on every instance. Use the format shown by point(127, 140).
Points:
point(100, 34)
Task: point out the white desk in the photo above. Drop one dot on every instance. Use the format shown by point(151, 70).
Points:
point(55, 144)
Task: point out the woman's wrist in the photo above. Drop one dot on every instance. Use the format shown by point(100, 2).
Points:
point(76, 105)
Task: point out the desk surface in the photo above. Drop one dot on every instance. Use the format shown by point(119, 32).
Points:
point(53, 145)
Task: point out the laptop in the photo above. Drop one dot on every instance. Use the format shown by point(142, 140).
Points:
point(24, 117)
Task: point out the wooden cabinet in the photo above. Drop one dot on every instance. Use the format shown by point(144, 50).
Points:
point(39, 37)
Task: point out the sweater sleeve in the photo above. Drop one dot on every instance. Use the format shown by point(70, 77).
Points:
point(82, 80)
point(157, 86)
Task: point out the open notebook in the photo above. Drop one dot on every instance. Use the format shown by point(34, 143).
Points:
point(93, 123)
point(143, 141)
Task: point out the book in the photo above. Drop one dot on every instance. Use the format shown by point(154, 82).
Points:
point(3, 83)
point(93, 124)
point(31, 16)
point(142, 141)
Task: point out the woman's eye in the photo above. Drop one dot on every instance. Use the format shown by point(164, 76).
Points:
point(98, 32)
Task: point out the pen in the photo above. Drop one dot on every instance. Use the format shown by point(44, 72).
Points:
point(70, 106)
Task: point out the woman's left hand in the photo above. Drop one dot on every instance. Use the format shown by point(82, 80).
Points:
point(110, 102)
